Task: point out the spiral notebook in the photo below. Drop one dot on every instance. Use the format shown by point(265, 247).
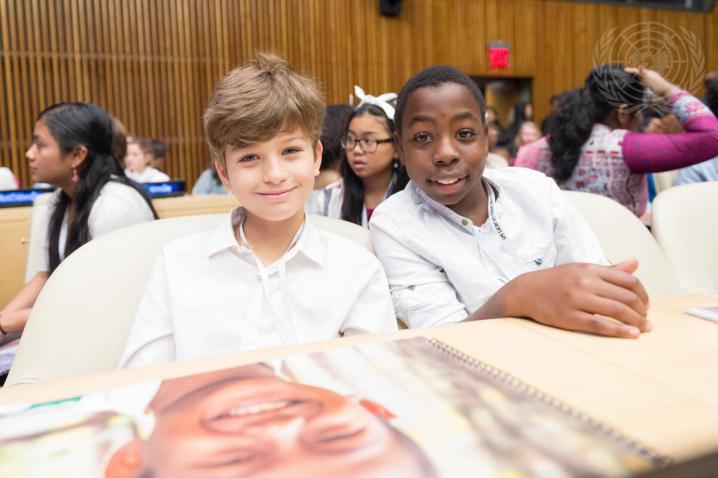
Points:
point(415, 408)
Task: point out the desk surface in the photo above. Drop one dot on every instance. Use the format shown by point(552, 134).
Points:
point(661, 389)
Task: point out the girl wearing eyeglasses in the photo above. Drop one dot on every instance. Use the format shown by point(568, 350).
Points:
point(371, 171)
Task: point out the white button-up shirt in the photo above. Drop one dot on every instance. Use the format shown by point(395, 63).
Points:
point(209, 295)
point(442, 267)
point(117, 206)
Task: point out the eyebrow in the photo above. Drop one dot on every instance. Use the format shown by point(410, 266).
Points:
point(420, 119)
point(464, 115)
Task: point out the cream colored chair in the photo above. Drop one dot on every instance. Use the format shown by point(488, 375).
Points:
point(81, 320)
point(685, 224)
point(664, 180)
point(622, 235)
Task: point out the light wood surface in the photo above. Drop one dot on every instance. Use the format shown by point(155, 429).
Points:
point(14, 240)
point(193, 205)
point(153, 64)
point(661, 389)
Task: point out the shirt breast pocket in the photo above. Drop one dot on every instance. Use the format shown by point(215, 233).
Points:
point(539, 259)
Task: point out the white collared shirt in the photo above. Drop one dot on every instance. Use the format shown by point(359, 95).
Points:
point(149, 175)
point(209, 295)
point(441, 267)
point(117, 206)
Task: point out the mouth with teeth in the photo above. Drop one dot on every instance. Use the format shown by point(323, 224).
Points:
point(448, 185)
point(235, 417)
point(255, 409)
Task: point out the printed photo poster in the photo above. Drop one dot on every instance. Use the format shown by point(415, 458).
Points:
point(408, 408)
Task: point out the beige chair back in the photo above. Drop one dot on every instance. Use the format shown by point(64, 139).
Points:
point(622, 236)
point(685, 224)
point(81, 320)
point(664, 180)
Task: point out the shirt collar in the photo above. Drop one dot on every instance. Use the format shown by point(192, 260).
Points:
point(309, 243)
point(420, 197)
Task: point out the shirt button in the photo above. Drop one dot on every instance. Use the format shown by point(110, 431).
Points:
point(412, 287)
point(465, 222)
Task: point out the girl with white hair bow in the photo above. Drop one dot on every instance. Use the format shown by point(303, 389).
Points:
point(371, 171)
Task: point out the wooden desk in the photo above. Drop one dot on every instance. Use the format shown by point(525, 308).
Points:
point(661, 389)
point(14, 238)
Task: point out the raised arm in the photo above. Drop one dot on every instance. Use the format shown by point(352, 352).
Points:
point(651, 152)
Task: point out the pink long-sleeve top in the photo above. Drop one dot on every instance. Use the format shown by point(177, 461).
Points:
point(614, 162)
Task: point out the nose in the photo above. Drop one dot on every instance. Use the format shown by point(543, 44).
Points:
point(445, 152)
point(274, 171)
point(353, 149)
point(30, 153)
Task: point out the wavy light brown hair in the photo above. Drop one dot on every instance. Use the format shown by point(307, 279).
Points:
point(256, 101)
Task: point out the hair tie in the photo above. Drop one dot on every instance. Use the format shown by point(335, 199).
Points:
point(381, 101)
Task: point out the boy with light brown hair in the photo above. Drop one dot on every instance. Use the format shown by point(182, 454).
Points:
point(266, 276)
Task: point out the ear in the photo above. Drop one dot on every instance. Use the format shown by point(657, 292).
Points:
point(79, 154)
point(222, 173)
point(624, 116)
point(125, 462)
point(318, 150)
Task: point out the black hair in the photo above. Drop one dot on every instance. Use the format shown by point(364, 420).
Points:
point(711, 98)
point(334, 127)
point(83, 124)
point(353, 202)
point(606, 88)
point(156, 147)
point(436, 76)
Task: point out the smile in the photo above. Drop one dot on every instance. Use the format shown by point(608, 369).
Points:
point(258, 408)
point(277, 194)
point(446, 182)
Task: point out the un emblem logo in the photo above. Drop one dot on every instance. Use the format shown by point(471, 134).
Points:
point(676, 54)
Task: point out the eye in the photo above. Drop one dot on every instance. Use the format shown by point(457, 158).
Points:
point(422, 137)
point(248, 158)
point(292, 150)
point(465, 133)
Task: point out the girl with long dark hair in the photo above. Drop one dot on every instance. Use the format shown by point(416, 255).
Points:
point(593, 146)
point(72, 149)
point(371, 171)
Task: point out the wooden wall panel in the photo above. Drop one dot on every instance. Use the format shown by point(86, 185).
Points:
point(153, 63)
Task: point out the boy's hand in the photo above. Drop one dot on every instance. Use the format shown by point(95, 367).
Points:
point(583, 297)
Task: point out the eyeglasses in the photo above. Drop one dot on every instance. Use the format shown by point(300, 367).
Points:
point(368, 145)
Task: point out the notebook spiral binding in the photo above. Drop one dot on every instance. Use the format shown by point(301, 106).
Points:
point(505, 377)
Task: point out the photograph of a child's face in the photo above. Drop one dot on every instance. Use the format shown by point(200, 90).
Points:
point(247, 421)
point(398, 409)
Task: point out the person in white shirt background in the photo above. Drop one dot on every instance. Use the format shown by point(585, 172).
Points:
point(371, 171)
point(138, 164)
point(8, 181)
point(464, 243)
point(72, 149)
point(266, 276)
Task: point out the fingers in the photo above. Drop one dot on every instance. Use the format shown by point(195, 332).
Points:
point(629, 265)
point(626, 280)
point(585, 322)
point(615, 309)
point(623, 295)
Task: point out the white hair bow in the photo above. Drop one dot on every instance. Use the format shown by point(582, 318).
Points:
point(381, 101)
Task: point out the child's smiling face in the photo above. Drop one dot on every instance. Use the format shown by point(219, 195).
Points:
point(443, 145)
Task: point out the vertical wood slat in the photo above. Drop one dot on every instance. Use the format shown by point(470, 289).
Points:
point(153, 64)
